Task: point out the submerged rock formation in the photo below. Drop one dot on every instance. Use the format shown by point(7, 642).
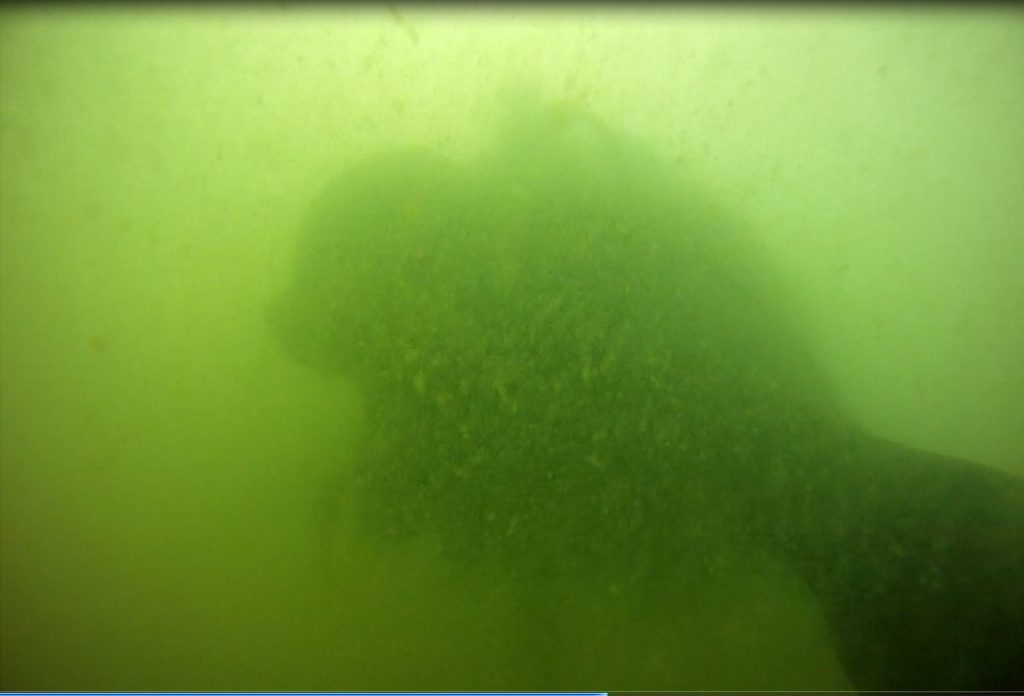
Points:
point(576, 366)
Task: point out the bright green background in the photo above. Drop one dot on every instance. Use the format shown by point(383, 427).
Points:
point(159, 453)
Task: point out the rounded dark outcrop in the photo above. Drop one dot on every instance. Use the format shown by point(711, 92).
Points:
point(576, 366)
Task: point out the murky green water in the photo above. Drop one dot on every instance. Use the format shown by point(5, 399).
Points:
point(188, 499)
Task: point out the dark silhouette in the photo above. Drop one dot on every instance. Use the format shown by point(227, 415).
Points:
point(576, 365)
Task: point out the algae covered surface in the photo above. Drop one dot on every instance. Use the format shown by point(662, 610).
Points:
point(563, 354)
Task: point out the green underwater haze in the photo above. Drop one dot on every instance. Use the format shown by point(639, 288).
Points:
point(228, 239)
